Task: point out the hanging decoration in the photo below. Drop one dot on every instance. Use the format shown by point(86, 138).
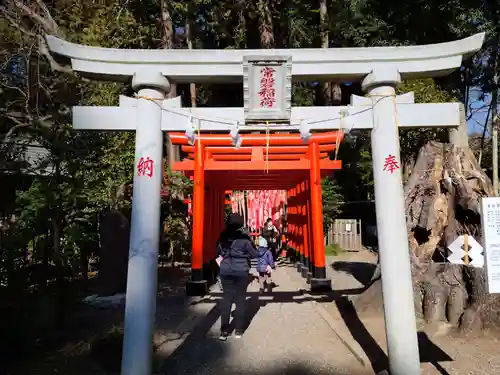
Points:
point(259, 206)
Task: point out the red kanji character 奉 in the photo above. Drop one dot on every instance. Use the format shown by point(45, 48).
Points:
point(267, 92)
point(391, 164)
point(145, 167)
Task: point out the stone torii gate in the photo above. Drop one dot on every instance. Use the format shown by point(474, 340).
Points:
point(380, 70)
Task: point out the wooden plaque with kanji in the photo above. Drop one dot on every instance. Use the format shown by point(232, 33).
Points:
point(267, 86)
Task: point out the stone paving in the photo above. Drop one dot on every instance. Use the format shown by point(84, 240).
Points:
point(286, 335)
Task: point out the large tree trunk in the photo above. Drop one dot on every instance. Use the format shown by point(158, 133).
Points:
point(442, 198)
point(265, 24)
point(168, 36)
point(189, 41)
point(328, 93)
point(240, 32)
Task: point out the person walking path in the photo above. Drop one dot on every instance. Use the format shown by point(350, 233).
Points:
point(285, 335)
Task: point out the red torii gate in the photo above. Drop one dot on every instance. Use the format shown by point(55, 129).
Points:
point(272, 161)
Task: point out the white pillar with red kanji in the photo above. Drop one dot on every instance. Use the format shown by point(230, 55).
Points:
point(397, 288)
point(145, 224)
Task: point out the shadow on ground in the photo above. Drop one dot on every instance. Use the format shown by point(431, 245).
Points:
point(89, 341)
point(429, 352)
point(362, 272)
point(201, 353)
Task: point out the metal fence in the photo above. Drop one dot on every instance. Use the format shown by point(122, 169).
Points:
point(346, 233)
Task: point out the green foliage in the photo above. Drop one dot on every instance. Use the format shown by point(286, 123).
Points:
point(332, 200)
point(333, 250)
point(411, 140)
point(176, 228)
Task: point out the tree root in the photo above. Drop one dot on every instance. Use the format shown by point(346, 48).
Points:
point(456, 295)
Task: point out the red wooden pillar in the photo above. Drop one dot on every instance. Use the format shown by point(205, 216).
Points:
point(222, 211)
point(298, 222)
point(291, 226)
point(319, 282)
point(291, 222)
point(286, 227)
point(284, 250)
point(308, 219)
point(219, 216)
point(299, 251)
point(305, 234)
point(206, 224)
point(198, 286)
point(209, 233)
point(218, 222)
point(290, 248)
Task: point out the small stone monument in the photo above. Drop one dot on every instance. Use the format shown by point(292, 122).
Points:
point(114, 233)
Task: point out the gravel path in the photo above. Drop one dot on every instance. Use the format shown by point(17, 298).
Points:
point(285, 336)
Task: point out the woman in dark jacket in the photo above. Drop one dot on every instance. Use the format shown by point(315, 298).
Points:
point(234, 250)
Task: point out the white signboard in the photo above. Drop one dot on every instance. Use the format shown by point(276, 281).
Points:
point(466, 250)
point(490, 220)
point(267, 87)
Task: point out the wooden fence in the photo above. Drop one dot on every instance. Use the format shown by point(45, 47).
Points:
point(346, 233)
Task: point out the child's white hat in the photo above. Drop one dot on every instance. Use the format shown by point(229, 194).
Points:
point(262, 242)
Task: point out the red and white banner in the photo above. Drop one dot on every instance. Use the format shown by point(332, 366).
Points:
point(260, 205)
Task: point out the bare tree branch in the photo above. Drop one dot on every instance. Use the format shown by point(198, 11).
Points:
point(44, 51)
point(50, 20)
point(15, 128)
point(46, 24)
point(4, 11)
point(29, 121)
point(21, 92)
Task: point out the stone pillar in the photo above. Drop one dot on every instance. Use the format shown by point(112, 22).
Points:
point(459, 136)
point(145, 225)
point(394, 252)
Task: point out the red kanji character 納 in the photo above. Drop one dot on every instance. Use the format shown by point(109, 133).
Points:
point(145, 167)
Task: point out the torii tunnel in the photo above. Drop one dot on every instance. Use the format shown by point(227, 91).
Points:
point(262, 162)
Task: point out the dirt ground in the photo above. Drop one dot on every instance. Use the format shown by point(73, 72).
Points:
point(442, 351)
point(90, 342)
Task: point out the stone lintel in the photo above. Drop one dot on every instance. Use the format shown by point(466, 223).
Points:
point(309, 64)
point(445, 115)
